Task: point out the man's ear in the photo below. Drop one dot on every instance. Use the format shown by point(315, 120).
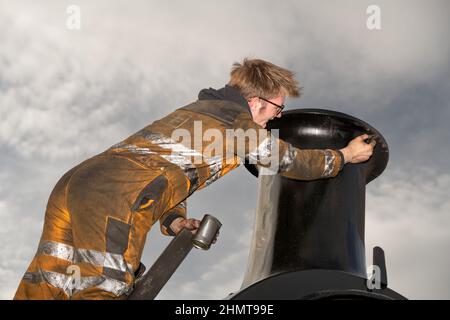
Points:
point(254, 103)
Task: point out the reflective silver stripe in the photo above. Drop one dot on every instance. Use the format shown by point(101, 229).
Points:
point(116, 287)
point(262, 152)
point(101, 259)
point(168, 144)
point(96, 258)
point(68, 283)
point(179, 160)
point(57, 250)
point(180, 156)
point(288, 158)
point(329, 163)
point(133, 148)
point(155, 138)
point(71, 285)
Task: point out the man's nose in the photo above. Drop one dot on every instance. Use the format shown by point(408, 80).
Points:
point(279, 115)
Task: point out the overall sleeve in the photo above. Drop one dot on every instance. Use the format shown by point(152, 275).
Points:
point(279, 157)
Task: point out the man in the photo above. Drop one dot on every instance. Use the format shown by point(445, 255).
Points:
point(100, 212)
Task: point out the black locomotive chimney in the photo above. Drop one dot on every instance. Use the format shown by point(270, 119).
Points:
point(308, 240)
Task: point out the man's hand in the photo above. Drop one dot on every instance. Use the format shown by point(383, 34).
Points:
point(179, 223)
point(191, 224)
point(358, 150)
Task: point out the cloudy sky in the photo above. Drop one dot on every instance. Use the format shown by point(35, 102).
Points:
point(66, 95)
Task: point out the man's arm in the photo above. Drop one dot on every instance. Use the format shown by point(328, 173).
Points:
point(329, 161)
point(300, 164)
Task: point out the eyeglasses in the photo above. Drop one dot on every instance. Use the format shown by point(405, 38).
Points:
point(279, 107)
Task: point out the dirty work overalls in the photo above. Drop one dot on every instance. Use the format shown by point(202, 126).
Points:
point(100, 212)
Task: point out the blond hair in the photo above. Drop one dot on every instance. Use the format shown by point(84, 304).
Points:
point(259, 78)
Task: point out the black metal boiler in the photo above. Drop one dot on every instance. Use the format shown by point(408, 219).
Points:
point(308, 240)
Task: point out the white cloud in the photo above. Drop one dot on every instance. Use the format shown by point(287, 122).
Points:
point(56, 105)
point(67, 95)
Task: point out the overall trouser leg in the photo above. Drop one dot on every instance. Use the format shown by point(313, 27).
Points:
point(96, 224)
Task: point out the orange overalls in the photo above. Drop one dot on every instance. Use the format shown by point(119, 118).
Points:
point(100, 212)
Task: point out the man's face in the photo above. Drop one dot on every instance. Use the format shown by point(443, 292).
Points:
point(264, 110)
